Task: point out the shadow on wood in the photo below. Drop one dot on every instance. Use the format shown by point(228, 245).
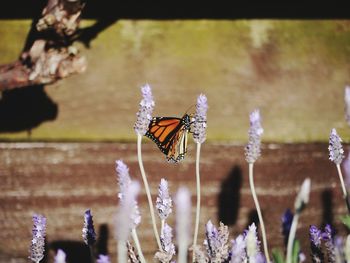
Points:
point(229, 197)
point(25, 109)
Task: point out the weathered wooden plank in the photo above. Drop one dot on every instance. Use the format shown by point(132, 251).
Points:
point(61, 180)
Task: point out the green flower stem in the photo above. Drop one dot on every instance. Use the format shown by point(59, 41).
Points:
point(150, 203)
point(291, 237)
point(137, 245)
point(198, 209)
point(256, 202)
point(345, 193)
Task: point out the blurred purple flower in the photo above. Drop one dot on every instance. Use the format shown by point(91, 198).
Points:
point(238, 252)
point(347, 104)
point(103, 259)
point(327, 236)
point(124, 180)
point(315, 238)
point(287, 220)
point(346, 168)
point(144, 115)
point(89, 235)
point(128, 216)
point(60, 256)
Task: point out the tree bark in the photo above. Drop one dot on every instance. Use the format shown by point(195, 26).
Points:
point(51, 55)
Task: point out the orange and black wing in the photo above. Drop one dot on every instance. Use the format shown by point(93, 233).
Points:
point(163, 131)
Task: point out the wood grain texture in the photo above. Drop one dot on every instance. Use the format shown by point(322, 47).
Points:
point(62, 180)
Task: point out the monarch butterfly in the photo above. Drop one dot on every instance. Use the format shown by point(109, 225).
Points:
point(170, 135)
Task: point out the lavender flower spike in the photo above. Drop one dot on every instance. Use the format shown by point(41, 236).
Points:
point(336, 152)
point(144, 115)
point(103, 259)
point(216, 242)
point(89, 235)
point(346, 168)
point(315, 239)
point(252, 150)
point(252, 243)
point(128, 216)
point(200, 123)
point(123, 178)
point(238, 251)
point(37, 246)
point(60, 256)
point(164, 202)
point(329, 243)
point(167, 245)
point(347, 104)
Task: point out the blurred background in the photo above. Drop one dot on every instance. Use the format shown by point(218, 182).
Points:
point(59, 141)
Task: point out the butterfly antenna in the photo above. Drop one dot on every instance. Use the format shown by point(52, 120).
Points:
point(192, 106)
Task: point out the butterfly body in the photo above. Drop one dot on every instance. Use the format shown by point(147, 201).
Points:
point(170, 135)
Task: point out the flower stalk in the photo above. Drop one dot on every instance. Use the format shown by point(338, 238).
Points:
point(144, 116)
point(301, 200)
point(199, 136)
point(252, 153)
point(336, 155)
point(148, 192)
point(258, 210)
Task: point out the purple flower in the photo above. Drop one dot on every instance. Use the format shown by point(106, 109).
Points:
point(89, 235)
point(252, 150)
point(167, 245)
point(347, 104)
point(60, 256)
point(329, 243)
point(200, 123)
point(37, 246)
point(144, 115)
point(128, 216)
point(164, 202)
point(238, 251)
point(124, 182)
point(287, 220)
point(103, 259)
point(252, 243)
point(216, 242)
point(336, 152)
point(315, 238)
point(123, 177)
point(346, 168)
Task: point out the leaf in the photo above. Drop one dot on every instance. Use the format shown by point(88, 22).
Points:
point(277, 256)
point(346, 221)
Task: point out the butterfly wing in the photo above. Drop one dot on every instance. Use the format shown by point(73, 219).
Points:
point(162, 130)
point(178, 148)
point(170, 135)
